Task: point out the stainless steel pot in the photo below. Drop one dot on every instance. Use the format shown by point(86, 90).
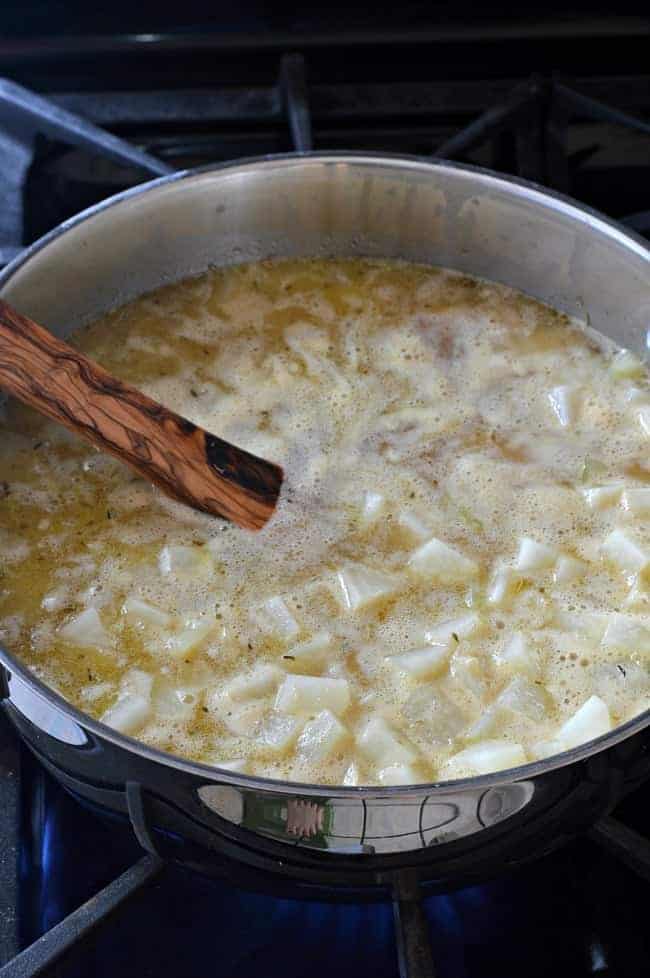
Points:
point(335, 204)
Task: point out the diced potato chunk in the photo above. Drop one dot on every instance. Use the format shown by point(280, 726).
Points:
point(603, 497)
point(361, 586)
point(241, 719)
point(398, 774)
point(524, 697)
point(443, 563)
point(133, 705)
point(565, 404)
point(321, 737)
point(86, 630)
point(140, 614)
point(444, 632)
point(534, 556)
point(262, 680)
point(517, 656)
point(189, 637)
point(626, 364)
point(311, 694)
point(590, 721)
point(546, 748)
point(378, 743)
point(275, 617)
point(637, 501)
point(569, 569)
point(627, 633)
point(309, 656)
point(277, 733)
point(185, 561)
point(421, 663)
point(484, 757)
point(622, 550)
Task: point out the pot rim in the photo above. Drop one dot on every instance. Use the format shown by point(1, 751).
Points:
point(531, 769)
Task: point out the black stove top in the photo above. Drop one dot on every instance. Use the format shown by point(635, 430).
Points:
point(561, 101)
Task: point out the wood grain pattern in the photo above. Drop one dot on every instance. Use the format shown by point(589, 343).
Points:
point(186, 462)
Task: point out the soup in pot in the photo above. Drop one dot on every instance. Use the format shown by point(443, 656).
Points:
point(455, 580)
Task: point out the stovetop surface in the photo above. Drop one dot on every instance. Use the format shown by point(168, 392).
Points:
point(191, 99)
point(577, 912)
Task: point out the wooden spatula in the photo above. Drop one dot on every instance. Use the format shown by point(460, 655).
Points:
point(188, 463)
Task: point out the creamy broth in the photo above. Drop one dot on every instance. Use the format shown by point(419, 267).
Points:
point(454, 582)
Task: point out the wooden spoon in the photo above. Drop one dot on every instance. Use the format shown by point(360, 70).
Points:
point(188, 463)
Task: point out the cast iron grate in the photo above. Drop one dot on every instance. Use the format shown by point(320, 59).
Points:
point(525, 126)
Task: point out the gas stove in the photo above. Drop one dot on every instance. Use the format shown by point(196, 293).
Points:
point(563, 103)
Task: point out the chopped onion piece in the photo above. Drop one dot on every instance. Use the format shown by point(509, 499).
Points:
point(241, 719)
point(625, 552)
point(398, 774)
point(309, 656)
point(373, 503)
point(128, 713)
point(238, 765)
point(626, 364)
point(546, 748)
point(186, 561)
point(534, 556)
point(351, 776)
point(486, 724)
point(310, 694)
point(638, 597)
point(277, 733)
point(603, 497)
point(590, 721)
point(172, 703)
point(518, 657)
point(564, 404)
point(140, 614)
point(643, 416)
point(378, 743)
point(568, 569)
point(263, 680)
point(467, 670)
point(589, 623)
point(361, 586)
point(189, 637)
point(626, 632)
point(96, 691)
point(440, 561)
point(412, 522)
point(86, 629)
point(322, 737)
point(524, 697)
point(482, 758)
point(503, 586)
point(460, 627)
point(637, 501)
point(137, 681)
point(55, 600)
point(421, 663)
